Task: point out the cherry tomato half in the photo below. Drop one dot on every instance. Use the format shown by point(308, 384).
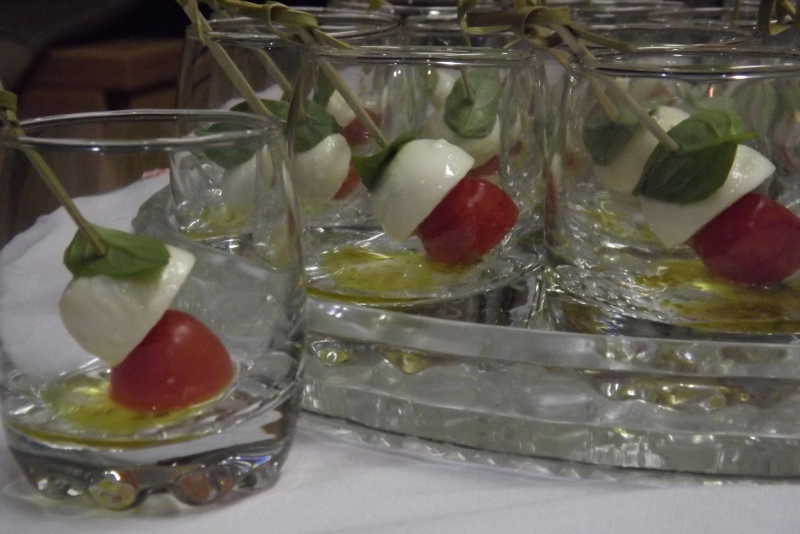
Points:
point(350, 183)
point(755, 241)
point(470, 221)
point(356, 133)
point(180, 362)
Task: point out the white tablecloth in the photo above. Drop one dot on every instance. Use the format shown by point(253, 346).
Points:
point(334, 482)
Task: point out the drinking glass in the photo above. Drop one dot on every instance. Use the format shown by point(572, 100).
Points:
point(182, 379)
point(702, 243)
point(676, 34)
point(411, 8)
point(369, 246)
point(715, 16)
point(444, 30)
point(643, 36)
point(746, 19)
point(268, 62)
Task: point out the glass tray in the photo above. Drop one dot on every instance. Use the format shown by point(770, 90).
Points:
point(705, 407)
point(681, 405)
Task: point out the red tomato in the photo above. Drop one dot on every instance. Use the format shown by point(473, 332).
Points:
point(755, 241)
point(469, 222)
point(179, 363)
point(356, 133)
point(350, 183)
point(490, 168)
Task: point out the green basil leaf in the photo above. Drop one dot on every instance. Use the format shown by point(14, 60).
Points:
point(605, 138)
point(126, 255)
point(323, 91)
point(371, 167)
point(278, 108)
point(708, 141)
point(314, 127)
point(230, 156)
point(476, 118)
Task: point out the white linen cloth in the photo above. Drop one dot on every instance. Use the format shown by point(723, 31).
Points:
point(334, 483)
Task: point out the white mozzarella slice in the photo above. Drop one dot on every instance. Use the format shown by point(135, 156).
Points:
point(273, 92)
point(340, 109)
point(414, 183)
point(675, 223)
point(444, 85)
point(239, 184)
point(624, 172)
point(482, 149)
point(320, 172)
point(109, 316)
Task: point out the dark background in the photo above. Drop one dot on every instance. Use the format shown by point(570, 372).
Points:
point(29, 27)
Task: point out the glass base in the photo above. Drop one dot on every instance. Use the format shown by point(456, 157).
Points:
point(247, 457)
point(681, 405)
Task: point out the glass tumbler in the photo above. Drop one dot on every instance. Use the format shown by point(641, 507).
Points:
point(695, 233)
point(171, 364)
point(444, 30)
point(268, 62)
point(471, 173)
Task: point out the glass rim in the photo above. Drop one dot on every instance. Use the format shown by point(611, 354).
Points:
point(443, 22)
point(375, 24)
point(621, 63)
point(402, 10)
point(658, 26)
point(734, 34)
point(700, 11)
point(710, 16)
point(601, 3)
point(257, 127)
point(425, 55)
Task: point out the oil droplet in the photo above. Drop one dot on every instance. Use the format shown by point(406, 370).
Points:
point(408, 362)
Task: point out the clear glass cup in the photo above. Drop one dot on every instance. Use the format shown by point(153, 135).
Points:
point(642, 36)
point(746, 19)
point(370, 247)
point(718, 16)
point(182, 379)
point(628, 257)
point(444, 30)
point(411, 8)
point(613, 11)
point(677, 34)
point(268, 62)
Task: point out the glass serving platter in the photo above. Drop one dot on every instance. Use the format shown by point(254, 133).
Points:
point(692, 406)
point(681, 405)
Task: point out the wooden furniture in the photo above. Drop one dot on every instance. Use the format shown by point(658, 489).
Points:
point(130, 73)
point(122, 74)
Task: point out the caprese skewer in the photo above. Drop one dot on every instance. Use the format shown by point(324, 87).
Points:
point(160, 359)
point(421, 187)
point(739, 235)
